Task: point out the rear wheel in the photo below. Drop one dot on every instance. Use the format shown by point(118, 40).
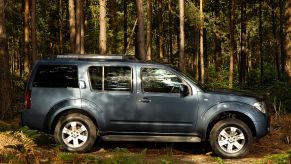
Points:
point(231, 138)
point(76, 132)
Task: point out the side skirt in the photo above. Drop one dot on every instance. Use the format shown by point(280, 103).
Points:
point(151, 138)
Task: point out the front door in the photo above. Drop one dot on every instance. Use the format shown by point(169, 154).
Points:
point(160, 107)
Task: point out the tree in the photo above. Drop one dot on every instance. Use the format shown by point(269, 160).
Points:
point(102, 34)
point(124, 26)
point(232, 41)
point(261, 44)
point(78, 25)
point(5, 89)
point(149, 30)
point(217, 38)
point(33, 31)
point(243, 61)
point(181, 36)
point(72, 22)
point(201, 42)
point(26, 36)
point(288, 40)
point(140, 31)
point(160, 29)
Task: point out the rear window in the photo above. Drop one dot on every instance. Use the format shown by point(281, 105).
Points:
point(56, 76)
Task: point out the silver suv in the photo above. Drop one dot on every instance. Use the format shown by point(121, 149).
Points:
point(82, 98)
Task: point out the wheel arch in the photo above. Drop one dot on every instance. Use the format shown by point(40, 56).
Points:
point(230, 114)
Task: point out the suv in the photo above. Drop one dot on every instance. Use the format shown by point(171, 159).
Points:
point(82, 98)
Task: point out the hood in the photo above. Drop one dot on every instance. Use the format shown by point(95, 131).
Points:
point(235, 93)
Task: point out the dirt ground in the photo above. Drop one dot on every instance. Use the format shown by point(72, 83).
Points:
point(278, 141)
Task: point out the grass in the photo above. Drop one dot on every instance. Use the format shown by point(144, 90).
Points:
point(283, 158)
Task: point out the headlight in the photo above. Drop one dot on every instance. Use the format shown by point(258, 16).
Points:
point(260, 106)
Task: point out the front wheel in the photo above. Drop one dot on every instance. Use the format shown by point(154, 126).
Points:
point(76, 132)
point(231, 138)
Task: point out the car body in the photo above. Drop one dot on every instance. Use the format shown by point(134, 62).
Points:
point(120, 99)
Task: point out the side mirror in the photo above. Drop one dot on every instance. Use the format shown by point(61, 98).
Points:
point(184, 90)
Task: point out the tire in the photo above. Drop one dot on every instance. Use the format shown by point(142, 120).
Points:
point(231, 138)
point(76, 132)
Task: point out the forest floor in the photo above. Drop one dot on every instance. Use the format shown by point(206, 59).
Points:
point(19, 147)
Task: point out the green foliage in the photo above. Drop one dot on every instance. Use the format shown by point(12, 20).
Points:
point(32, 134)
point(219, 160)
point(68, 157)
point(122, 155)
point(217, 79)
point(284, 158)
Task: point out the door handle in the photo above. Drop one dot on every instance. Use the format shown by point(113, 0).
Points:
point(145, 100)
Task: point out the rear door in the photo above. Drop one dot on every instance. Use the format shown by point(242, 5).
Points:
point(111, 89)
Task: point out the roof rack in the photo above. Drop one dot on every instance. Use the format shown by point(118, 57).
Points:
point(96, 57)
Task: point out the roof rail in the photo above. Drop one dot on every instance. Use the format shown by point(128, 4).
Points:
point(96, 57)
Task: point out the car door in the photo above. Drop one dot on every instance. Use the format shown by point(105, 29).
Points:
point(160, 107)
point(112, 91)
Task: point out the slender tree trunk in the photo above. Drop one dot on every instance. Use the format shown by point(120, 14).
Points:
point(33, 31)
point(201, 42)
point(26, 37)
point(160, 29)
point(287, 46)
point(78, 25)
point(82, 44)
point(282, 50)
point(261, 44)
point(72, 22)
point(243, 61)
point(102, 35)
point(5, 89)
point(232, 42)
point(181, 36)
point(140, 31)
point(61, 23)
point(113, 21)
point(217, 39)
point(171, 58)
point(149, 30)
point(124, 26)
point(274, 29)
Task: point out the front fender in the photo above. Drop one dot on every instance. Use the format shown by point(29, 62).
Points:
point(236, 107)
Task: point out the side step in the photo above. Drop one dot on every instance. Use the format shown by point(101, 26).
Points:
point(151, 138)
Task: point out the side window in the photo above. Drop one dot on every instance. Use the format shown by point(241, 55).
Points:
point(56, 76)
point(96, 77)
point(114, 78)
point(159, 80)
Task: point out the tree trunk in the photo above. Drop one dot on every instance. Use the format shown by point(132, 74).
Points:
point(201, 42)
point(5, 89)
point(61, 24)
point(243, 61)
point(160, 29)
point(232, 42)
point(82, 44)
point(274, 29)
point(78, 25)
point(72, 21)
point(26, 37)
point(217, 39)
point(124, 26)
point(282, 50)
point(140, 31)
point(181, 36)
point(113, 21)
point(149, 30)
point(261, 44)
point(102, 35)
point(288, 40)
point(33, 31)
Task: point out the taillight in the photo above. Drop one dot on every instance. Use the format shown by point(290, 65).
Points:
point(28, 99)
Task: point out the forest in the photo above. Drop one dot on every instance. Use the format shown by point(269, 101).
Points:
point(239, 44)
point(242, 45)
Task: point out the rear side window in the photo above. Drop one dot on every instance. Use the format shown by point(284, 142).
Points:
point(56, 76)
point(111, 78)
